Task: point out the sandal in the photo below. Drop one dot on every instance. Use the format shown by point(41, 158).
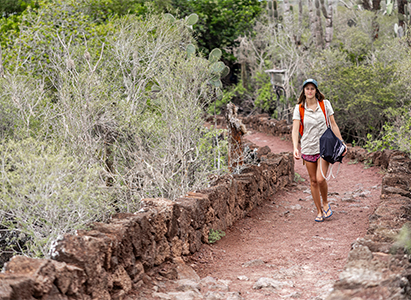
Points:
point(326, 212)
point(319, 219)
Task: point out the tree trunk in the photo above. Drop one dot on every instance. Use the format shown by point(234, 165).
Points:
point(375, 28)
point(287, 16)
point(376, 5)
point(300, 23)
point(318, 27)
point(328, 14)
point(244, 74)
point(401, 13)
point(366, 4)
point(236, 130)
point(311, 9)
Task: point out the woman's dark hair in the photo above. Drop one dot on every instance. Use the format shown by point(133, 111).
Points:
point(320, 96)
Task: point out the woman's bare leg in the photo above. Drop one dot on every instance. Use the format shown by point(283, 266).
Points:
point(315, 189)
point(322, 183)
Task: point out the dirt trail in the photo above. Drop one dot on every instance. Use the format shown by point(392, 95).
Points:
point(280, 240)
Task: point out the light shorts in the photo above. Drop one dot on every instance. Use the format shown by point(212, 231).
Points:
point(310, 158)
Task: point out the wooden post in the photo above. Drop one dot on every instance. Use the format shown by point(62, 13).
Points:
point(236, 130)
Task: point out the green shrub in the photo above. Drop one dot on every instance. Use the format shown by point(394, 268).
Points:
point(396, 134)
point(44, 193)
point(215, 235)
point(404, 238)
point(360, 95)
point(117, 108)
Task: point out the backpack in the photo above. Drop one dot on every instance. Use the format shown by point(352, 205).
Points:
point(331, 147)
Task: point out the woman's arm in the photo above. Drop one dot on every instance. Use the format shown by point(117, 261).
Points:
point(336, 130)
point(295, 137)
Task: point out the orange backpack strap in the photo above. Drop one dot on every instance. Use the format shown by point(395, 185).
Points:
point(322, 105)
point(302, 110)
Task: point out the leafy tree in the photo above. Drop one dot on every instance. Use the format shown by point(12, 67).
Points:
point(220, 22)
point(14, 7)
point(360, 94)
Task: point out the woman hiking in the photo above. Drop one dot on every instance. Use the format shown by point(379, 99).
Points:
point(309, 122)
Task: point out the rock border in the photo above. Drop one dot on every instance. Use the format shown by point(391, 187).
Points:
point(111, 259)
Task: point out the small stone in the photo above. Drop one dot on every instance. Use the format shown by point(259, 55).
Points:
point(161, 296)
point(360, 253)
point(146, 279)
point(234, 296)
point(243, 278)
point(208, 280)
point(295, 295)
point(187, 285)
point(348, 199)
point(215, 296)
point(138, 285)
point(219, 287)
point(265, 282)
point(253, 263)
point(225, 282)
point(189, 295)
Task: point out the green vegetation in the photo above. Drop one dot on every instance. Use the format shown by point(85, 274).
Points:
point(46, 192)
point(215, 235)
point(113, 93)
point(364, 71)
point(220, 22)
point(298, 178)
point(98, 114)
point(404, 238)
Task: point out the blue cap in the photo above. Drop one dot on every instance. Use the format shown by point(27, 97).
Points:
point(313, 81)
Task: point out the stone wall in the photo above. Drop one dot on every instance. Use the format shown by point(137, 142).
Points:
point(376, 268)
point(261, 123)
point(109, 260)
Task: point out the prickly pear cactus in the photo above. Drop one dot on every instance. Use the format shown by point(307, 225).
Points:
point(191, 50)
point(170, 18)
point(218, 68)
point(191, 20)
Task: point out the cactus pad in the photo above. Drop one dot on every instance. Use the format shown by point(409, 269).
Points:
point(170, 18)
point(192, 19)
point(190, 50)
point(215, 55)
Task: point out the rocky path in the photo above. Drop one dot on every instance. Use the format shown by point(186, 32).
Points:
point(281, 246)
point(278, 251)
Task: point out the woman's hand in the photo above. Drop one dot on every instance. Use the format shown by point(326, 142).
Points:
point(297, 153)
point(295, 137)
point(346, 150)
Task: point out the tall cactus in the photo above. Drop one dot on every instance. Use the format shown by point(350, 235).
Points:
point(272, 10)
point(389, 5)
point(318, 25)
